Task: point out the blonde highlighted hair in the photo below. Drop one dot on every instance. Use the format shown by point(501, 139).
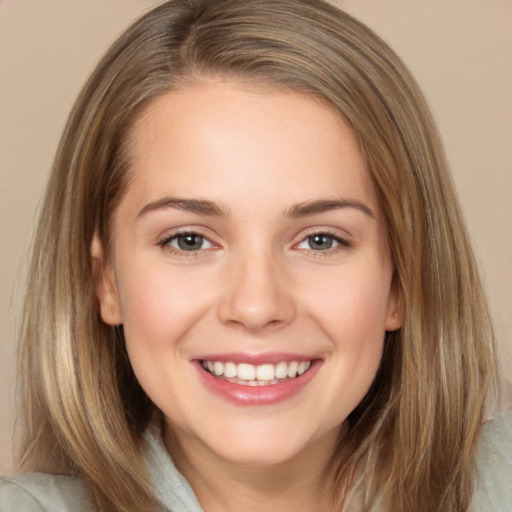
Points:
point(83, 410)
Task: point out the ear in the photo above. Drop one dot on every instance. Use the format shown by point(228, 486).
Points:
point(395, 314)
point(105, 284)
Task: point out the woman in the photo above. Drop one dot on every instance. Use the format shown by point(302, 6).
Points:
point(258, 289)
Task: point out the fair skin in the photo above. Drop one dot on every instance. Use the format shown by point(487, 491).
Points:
point(249, 239)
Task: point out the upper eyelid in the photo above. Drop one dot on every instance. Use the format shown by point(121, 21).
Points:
point(339, 240)
point(339, 233)
point(183, 231)
point(165, 244)
point(172, 238)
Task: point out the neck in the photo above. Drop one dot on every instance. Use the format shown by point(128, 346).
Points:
point(301, 483)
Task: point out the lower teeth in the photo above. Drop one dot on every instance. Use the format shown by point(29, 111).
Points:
point(235, 380)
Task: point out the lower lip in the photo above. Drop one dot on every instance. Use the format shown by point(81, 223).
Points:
point(258, 395)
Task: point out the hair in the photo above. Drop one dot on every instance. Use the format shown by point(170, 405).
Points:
point(84, 412)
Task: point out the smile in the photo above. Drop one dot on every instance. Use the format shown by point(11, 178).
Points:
point(257, 380)
point(247, 374)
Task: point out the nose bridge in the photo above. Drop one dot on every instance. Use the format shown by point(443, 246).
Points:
point(256, 293)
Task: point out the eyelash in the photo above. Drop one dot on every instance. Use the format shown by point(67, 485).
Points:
point(341, 243)
point(165, 243)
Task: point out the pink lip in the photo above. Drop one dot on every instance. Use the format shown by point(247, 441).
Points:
point(257, 395)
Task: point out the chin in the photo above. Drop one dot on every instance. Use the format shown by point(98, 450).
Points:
point(264, 444)
point(260, 453)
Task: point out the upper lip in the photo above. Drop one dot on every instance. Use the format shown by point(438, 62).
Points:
point(256, 359)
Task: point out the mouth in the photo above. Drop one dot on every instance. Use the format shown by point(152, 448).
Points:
point(246, 374)
point(257, 379)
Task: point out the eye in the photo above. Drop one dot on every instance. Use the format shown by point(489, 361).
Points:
point(187, 242)
point(322, 242)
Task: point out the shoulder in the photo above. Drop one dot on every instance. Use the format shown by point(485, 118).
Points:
point(493, 491)
point(40, 492)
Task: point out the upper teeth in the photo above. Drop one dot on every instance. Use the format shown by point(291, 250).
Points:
point(263, 372)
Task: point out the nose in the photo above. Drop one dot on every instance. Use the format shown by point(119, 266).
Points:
point(258, 295)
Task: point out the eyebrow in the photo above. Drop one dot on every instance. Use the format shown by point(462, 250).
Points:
point(199, 206)
point(209, 208)
point(324, 205)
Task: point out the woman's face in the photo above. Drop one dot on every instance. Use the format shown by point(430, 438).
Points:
point(250, 270)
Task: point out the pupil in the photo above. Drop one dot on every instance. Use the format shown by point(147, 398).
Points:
point(321, 242)
point(190, 242)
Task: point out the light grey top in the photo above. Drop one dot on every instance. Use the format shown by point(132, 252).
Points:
point(494, 466)
point(39, 492)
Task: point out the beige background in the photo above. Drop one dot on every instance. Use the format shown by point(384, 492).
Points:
point(460, 51)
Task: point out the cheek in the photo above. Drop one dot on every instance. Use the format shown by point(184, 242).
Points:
point(159, 305)
point(158, 311)
point(352, 304)
point(351, 309)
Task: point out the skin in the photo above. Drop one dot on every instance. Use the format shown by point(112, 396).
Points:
point(255, 286)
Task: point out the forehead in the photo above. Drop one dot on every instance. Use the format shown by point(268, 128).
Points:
point(223, 133)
